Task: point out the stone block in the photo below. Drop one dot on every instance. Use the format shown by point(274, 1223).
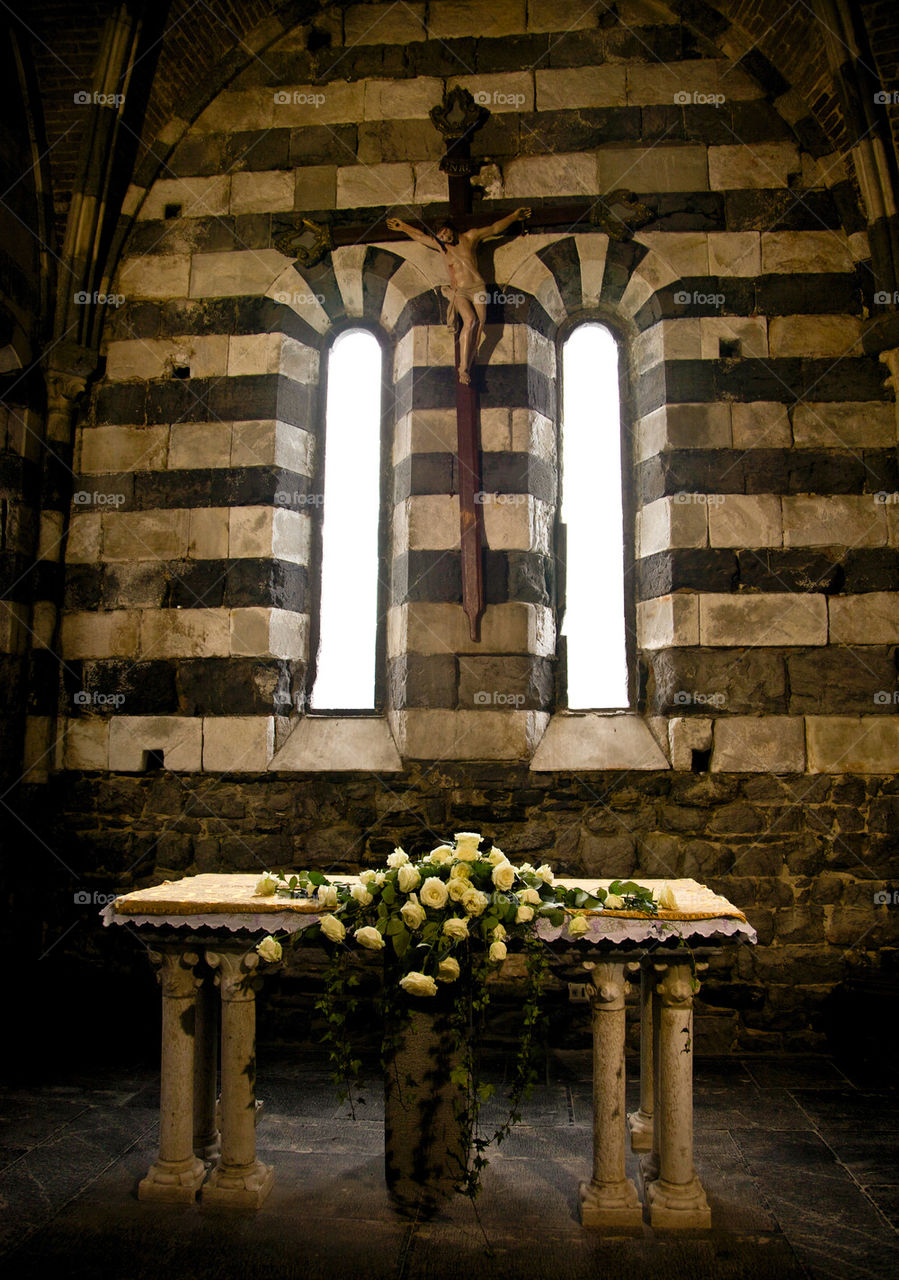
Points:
point(763, 620)
point(336, 744)
point(433, 522)
point(570, 174)
point(377, 184)
point(145, 535)
point(570, 88)
point(558, 15)
point(401, 99)
point(184, 633)
point(598, 741)
point(262, 632)
point(669, 522)
point(735, 253)
point(684, 426)
point(668, 621)
point(85, 532)
point(687, 734)
point(760, 424)
point(208, 533)
point(237, 111)
point(86, 744)
point(842, 520)
point(158, 275)
point(195, 445)
point(764, 164)
point(525, 524)
point(179, 738)
point(740, 520)
point(384, 24)
point(250, 532)
point(316, 187)
point(656, 169)
point(804, 251)
point(459, 18)
point(468, 735)
point(853, 744)
point(314, 105)
point(865, 619)
point(515, 627)
point(814, 336)
point(100, 635)
point(238, 744)
point(759, 744)
point(291, 536)
point(686, 83)
point(241, 272)
point(751, 332)
point(198, 197)
point(844, 425)
point(262, 192)
point(113, 449)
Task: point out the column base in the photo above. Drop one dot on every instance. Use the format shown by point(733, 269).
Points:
point(173, 1181)
point(640, 1128)
point(241, 1187)
point(678, 1205)
point(614, 1204)
point(208, 1147)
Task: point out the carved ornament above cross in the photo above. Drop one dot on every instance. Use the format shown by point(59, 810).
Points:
point(618, 214)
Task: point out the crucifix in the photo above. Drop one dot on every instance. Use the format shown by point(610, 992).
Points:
point(617, 214)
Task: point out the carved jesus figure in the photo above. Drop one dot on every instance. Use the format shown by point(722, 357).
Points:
point(466, 292)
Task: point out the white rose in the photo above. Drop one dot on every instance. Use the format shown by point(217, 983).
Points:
point(525, 867)
point(613, 902)
point(529, 895)
point(369, 938)
point(379, 879)
point(496, 855)
point(497, 952)
point(456, 928)
point(408, 878)
point(266, 885)
point(448, 970)
point(442, 854)
point(333, 928)
point(475, 902)
point(578, 926)
point(268, 949)
point(545, 872)
point(524, 914)
point(367, 875)
point(434, 893)
point(503, 876)
point(667, 899)
point(398, 858)
point(460, 871)
point(361, 894)
point(467, 845)
point(413, 914)
point(326, 895)
point(418, 984)
point(456, 889)
point(499, 934)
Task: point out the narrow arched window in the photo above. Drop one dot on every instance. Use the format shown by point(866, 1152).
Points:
point(348, 616)
point(594, 620)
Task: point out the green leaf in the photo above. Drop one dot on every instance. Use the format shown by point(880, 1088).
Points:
point(400, 942)
point(316, 878)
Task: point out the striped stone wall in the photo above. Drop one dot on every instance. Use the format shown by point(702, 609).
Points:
point(761, 440)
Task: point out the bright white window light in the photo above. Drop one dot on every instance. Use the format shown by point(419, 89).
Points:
point(591, 509)
point(345, 678)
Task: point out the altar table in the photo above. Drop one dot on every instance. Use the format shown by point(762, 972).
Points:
point(203, 933)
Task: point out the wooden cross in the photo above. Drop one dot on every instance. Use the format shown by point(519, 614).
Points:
point(617, 214)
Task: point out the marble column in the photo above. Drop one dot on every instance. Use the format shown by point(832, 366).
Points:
point(609, 1199)
point(673, 1191)
point(239, 1180)
point(176, 1175)
point(207, 1139)
point(640, 1122)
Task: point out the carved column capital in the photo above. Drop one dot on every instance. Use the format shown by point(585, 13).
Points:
point(175, 972)
point(676, 986)
point(235, 973)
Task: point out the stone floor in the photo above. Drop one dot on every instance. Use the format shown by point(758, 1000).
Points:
point(799, 1160)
